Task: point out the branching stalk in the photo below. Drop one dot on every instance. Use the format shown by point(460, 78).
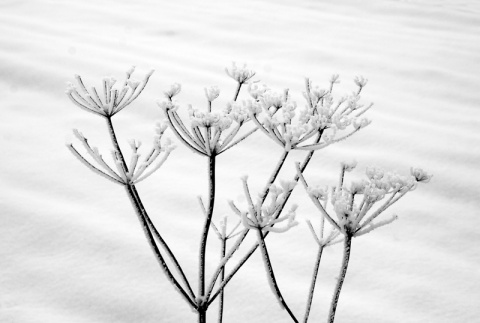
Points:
point(142, 215)
point(302, 167)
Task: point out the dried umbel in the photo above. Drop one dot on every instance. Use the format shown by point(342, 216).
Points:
point(322, 117)
point(138, 169)
point(111, 99)
point(208, 132)
point(265, 217)
point(354, 205)
point(356, 208)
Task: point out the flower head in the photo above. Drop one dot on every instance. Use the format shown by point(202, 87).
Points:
point(241, 75)
point(420, 175)
point(175, 88)
point(110, 100)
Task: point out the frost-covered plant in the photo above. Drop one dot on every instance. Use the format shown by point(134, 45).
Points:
point(354, 212)
point(212, 131)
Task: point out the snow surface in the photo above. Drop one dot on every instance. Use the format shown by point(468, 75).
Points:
point(71, 249)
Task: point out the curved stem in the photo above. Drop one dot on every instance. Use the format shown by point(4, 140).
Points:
point(312, 285)
point(343, 271)
point(271, 275)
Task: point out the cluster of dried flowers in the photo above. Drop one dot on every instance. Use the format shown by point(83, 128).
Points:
point(346, 210)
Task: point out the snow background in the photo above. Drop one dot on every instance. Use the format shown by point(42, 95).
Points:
point(71, 249)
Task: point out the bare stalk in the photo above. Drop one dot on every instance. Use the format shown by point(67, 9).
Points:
point(140, 213)
point(143, 217)
point(242, 237)
point(343, 271)
point(304, 165)
point(312, 285)
point(222, 277)
point(237, 91)
point(271, 275)
point(170, 254)
point(202, 309)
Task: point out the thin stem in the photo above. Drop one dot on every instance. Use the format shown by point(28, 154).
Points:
point(140, 213)
point(116, 146)
point(266, 189)
point(271, 275)
point(237, 91)
point(169, 252)
point(304, 165)
point(314, 280)
point(143, 216)
point(222, 277)
point(206, 228)
point(273, 176)
point(343, 271)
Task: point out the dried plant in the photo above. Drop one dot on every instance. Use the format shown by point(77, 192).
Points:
point(346, 211)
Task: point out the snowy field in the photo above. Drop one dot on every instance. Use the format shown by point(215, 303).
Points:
point(71, 248)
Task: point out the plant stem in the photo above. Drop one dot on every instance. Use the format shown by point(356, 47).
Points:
point(271, 274)
point(237, 91)
point(343, 271)
point(222, 277)
point(312, 285)
point(273, 176)
point(164, 244)
point(140, 213)
point(144, 219)
point(203, 241)
point(304, 165)
point(242, 237)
